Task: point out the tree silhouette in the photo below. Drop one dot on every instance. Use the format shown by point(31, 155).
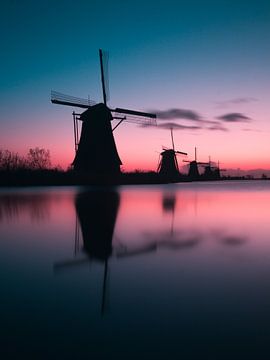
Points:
point(38, 159)
point(11, 161)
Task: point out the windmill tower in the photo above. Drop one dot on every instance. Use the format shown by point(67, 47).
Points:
point(193, 172)
point(212, 171)
point(168, 164)
point(95, 149)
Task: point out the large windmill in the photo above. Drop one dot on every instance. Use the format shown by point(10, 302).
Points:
point(168, 164)
point(95, 148)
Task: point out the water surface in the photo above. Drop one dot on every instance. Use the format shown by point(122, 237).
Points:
point(167, 271)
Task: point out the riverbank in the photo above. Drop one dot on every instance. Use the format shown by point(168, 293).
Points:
point(69, 178)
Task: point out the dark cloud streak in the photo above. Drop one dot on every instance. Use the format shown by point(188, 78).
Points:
point(172, 125)
point(236, 101)
point(234, 117)
point(176, 113)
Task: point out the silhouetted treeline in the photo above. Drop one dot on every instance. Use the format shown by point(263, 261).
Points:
point(36, 159)
point(35, 169)
point(32, 169)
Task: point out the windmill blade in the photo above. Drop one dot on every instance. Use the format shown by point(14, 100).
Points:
point(172, 138)
point(140, 251)
point(181, 152)
point(103, 58)
point(187, 161)
point(136, 119)
point(62, 99)
point(62, 265)
point(135, 112)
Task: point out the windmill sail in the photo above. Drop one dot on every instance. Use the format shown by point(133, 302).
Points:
point(104, 68)
point(62, 99)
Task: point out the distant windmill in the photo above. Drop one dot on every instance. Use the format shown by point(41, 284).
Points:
point(212, 171)
point(193, 172)
point(95, 151)
point(168, 165)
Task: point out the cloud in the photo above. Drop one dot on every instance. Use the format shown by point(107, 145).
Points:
point(236, 101)
point(176, 113)
point(217, 127)
point(172, 125)
point(233, 117)
point(211, 125)
point(253, 130)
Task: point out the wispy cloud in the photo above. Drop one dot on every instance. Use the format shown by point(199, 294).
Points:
point(211, 125)
point(172, 125)
point(176, 126)
point(217, 127)
point(176, 113)
point(234, 117)
point(251, 130)
point(236, 101)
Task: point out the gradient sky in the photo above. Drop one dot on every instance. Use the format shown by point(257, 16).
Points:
point(208, 57)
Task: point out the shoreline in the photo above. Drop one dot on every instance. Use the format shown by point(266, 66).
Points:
point(23, 178)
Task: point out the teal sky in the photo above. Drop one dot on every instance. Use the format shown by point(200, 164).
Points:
point(211, 57)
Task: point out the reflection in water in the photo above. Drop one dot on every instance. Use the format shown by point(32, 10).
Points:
point(207, 299)
point(37, 206)
point(226, 237)
point(170, 238)
point(233, 240)
point(96, 213)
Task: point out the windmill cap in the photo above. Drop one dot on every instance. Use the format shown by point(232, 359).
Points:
point(98, 110)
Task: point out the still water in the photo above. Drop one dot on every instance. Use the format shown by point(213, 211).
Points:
point(168, 271)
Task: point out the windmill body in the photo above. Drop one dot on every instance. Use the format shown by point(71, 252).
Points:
point(97, 153)
point(211, 172)
point(168, 166)
point(193, 172)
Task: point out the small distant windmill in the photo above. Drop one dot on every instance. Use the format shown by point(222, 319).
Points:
point(168, 165)
point(95, 148)
point(218, 170)
point(193, 172)
point(212, 171)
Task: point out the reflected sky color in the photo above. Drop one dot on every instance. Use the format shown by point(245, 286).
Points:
point(187, 274)
point(211, 57)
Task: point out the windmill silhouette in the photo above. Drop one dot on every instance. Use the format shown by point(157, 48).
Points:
point(212, 170)
point(96, 214)
point(168, 164)
point(193, 172)
point(95, 148)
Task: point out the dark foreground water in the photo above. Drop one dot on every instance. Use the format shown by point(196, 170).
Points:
point(177, 271)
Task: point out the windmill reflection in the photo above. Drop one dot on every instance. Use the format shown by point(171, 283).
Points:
point(97, 212)
point(168, 206)
point(170, 238)
point(96, 217)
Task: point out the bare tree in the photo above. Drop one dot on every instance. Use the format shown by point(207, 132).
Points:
point(10, 161)
point(38, 159)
